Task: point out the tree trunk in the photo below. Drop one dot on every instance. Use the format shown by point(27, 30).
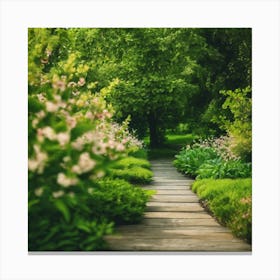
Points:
point(154, 137)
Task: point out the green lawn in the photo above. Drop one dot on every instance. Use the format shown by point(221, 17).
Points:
point(171, 147)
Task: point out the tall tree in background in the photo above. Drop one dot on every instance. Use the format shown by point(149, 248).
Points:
point(151, 72)
point(162, 76)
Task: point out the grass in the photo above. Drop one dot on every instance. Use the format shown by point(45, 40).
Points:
point(171, 146)
point(230, 201)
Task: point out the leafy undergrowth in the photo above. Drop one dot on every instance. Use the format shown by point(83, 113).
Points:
point(129, 162)
point(211, 159)
point(230, 201)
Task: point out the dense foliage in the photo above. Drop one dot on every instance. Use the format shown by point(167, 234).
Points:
point(211, 159)
point(73, 143)
point(163, 76)
point(230, 200)
point(91, 90)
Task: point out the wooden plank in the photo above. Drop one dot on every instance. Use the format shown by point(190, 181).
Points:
point(176, 215)
point(162, 233)
point(190, 228)
point(174, 198)
point(190, 207)
point(175, 204)
point(175, 222)
point(165, 187)
point(175, 192)
point(143, 244)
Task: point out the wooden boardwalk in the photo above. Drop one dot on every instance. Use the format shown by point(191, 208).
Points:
point(174, 220)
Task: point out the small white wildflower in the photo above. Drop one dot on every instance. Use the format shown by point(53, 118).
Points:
point(78, 144)
point(49, 133)
point(51, 107)
point(35, 123)
point(63, 138)
point(81, 82)
point(58, 194)
point(66, 182)
point(86, 163)
point(39, 191)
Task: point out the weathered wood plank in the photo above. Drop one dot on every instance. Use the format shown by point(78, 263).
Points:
point(174, 198)
point(143, 244)
point(175, 192)
point(175, 222)
point(190, 207)
point(163, 233)
point(190, 228)
point(164, 187)
point(176, 215)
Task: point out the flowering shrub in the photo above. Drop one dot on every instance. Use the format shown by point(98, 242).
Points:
point(212, 158)
point(73, 141)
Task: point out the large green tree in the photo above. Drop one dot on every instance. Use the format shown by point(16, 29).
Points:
point(150, 72)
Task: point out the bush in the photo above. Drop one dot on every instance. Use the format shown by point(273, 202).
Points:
point(139, 153)
point(212, 158)
point(192, 157)
point(129, 162)
point(135, 174)
point(57, 235)
point(219, 168)
point(230, 201)
point(72, 142)
point(118, 201)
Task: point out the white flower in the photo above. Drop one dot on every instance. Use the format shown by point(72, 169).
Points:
point(78, 144)
point(71, 121)
point(58, 194)
point(37, 163)
point(120, 147)
point(99, 149)
point(66, 159)
point(89, 115)
point(81, 82)
point(100, 174)
point(41, 97)
point(34, 123)
point(49, 133)
point(65, 181)
point(85, 163)
point(76, 169)
point(39, 191)
point(32, 164)
point(51, 107)
point(63, 138)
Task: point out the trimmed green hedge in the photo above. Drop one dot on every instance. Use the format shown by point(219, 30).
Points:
point(135, 175)
point(230, 200)
point(129, 162)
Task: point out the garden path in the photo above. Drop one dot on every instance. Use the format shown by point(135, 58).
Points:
point(174, 220)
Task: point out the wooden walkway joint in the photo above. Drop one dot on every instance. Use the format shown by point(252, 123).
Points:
point(174, 220)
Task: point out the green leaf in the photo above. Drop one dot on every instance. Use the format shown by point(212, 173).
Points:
point(62, 207)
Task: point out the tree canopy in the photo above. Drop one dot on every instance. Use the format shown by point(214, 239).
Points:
point(160, 77)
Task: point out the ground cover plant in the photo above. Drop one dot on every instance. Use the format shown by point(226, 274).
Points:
point(230, 200)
